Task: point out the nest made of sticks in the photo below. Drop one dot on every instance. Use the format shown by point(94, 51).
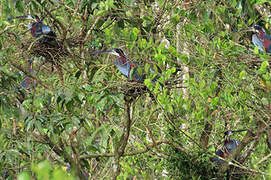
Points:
point(52, 50)
point(134, 90)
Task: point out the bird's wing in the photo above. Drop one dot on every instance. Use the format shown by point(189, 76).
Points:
point(30, 25)
point(257, 42)
point(45, 29)
point(231, 145)
point(26, 82)
point(135, 73)
point(124, 68)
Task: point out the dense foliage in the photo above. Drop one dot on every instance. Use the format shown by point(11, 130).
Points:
point(84, 119)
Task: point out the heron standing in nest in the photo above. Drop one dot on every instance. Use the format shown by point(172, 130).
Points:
point(47, 45)
point(132, 70)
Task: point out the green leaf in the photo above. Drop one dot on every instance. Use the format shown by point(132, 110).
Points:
point(59, 174)
point(147, 82)
point(202, 84)
point(135, 33)
point(175, 18)
point(94, 5)
point(42, 170)
point(128, 13)
point(147, 68)
point(142, 43)
point(262, 1)
point(81, 96)
point(109, 4)
point(24, 176)
point(264, 66)
point(242, 74)
point(256, 50)
point(19, 6)
point(233, 3)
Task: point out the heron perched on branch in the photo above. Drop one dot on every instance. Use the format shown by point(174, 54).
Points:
point(133, 71)
point(47, 46)
point(261, 39)
point(129, 68)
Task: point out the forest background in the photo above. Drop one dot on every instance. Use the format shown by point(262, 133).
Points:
point(82, 121)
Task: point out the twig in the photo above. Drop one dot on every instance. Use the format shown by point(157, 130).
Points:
point(264, 159)
point(91, 29)
point(112, 21)
point(134, 153)
point(74, 14)
point(77, 166)
point(7, 28)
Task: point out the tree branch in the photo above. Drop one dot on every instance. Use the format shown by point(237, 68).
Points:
point(123, 141)
point(134, 153)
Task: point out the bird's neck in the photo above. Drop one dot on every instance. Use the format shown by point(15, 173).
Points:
point(261, 35)
point(123, 60)
point(33, 29)
point(227, 140)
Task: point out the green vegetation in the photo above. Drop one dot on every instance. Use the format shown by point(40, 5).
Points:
point(91, 124)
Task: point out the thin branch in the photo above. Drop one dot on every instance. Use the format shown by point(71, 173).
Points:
point(91, 29)
point(123, 141)
point(134, 153)
point(77, 166)
point(263, 159)
point(7, 28)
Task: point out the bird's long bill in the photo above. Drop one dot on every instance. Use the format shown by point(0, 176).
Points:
point(29, 17)
point(230, 133)
point(245, 29)
point(240, 130)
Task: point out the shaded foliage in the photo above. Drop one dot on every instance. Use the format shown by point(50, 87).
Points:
point(213, 80)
